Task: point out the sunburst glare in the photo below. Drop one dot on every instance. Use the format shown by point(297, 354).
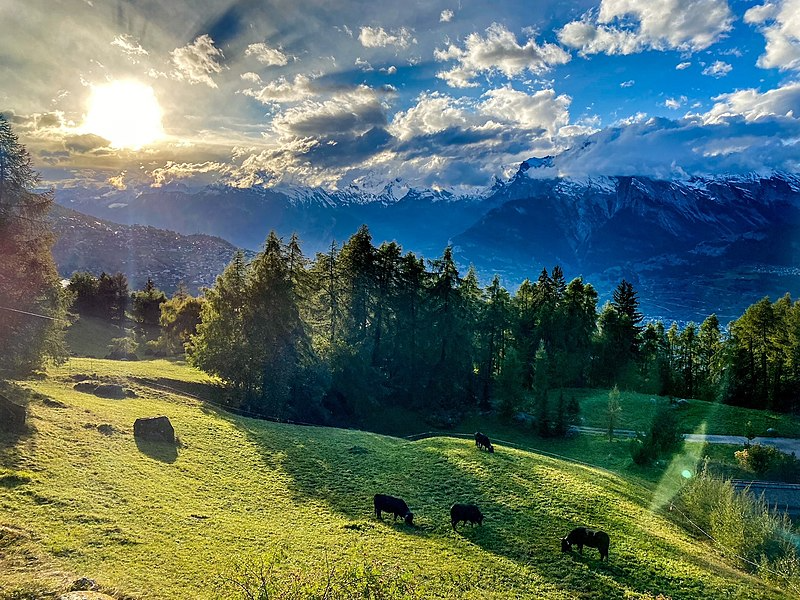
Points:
point(126, 113)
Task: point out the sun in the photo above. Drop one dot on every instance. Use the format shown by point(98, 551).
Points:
point(126, 113)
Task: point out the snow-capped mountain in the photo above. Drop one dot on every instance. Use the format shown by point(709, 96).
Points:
point(691, 246)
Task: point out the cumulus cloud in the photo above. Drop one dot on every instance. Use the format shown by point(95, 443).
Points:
point(498, 51)
point(198, 61)
point(266, 55)
point(251, 77)
point(752, 105)
point(683, 65)
point(283, 90)
point(351, 112)
point(780, 24)
point(363, 65)
point(627, 84)
point(129, 46)
point(675, 103)
point(717, 69)
point(378, 37)
point(446, 16)
point(627, 26)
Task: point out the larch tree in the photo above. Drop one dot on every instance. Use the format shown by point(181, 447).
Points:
point(32, 304)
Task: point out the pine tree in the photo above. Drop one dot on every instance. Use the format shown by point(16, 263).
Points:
point(146, 305)
point(32, 304)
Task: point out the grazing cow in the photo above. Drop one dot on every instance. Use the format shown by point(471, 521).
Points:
point(586, 537)
point(395, 506)
point(469, 513)
point(482, 441)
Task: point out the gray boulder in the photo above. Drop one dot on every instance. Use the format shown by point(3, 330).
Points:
point(12, 415)
point(154, 429)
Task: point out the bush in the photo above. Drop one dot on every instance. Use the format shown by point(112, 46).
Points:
point(663, 438)
point(743, 526)
point(767, 461)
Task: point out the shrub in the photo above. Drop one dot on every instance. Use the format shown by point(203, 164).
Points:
point(663, 438)
point(768, 461)
point(743, 526)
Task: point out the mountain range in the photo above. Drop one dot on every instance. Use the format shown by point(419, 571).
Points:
point(690, 246)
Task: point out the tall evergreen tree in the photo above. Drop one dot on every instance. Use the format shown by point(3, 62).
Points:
point(32, 304)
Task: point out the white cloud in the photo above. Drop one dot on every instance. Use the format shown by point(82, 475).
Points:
point(283, 90)
point(627, 84)
point(129, 45)
point(630, 26)
point(172, 171)
point(363, 64)
point(665, 149)
point(390, 70)
point(780, 23)
point(197, 61)
point(266, 55)
point(752, 105)
point(446, 16)
point(252, 77)
point(542, 111)
point(378, 37)
point(500, 52)
point(675, 103)
point(717, 69)
point(683, 65)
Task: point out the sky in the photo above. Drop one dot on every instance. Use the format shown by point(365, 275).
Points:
point(442, 94)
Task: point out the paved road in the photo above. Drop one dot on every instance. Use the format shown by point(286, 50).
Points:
point(788, 445)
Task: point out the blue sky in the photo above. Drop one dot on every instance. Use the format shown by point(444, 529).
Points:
point(439, 94)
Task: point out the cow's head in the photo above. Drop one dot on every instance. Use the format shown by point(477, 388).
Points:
point(565, 545)
point(409, 518)
point(491, 448)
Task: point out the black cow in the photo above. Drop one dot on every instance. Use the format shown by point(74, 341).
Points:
point(395, 506)
point(482, 441)
point(469, 513)
point(586, 537)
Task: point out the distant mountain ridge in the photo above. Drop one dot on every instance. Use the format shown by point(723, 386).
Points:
point(691, 246)
point(85, 243)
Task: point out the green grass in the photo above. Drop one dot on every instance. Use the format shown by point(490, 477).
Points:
point(697, 416)
point(148, 521)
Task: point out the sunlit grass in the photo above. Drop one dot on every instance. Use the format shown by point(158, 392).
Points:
point(154, 522)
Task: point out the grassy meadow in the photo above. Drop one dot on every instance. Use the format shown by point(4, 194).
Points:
point(79, 496)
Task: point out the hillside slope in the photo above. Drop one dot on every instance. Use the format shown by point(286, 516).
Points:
point(146, 521)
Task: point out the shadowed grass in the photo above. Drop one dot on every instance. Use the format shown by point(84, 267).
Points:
point(95, 505)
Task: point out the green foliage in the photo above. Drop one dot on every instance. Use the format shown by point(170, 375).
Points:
point(179, 319)
point(613, 410)
point(146, 305)
point(663, 438)
point(123, 346)
point(743, 526)
point(33, 313)
point(768, 461)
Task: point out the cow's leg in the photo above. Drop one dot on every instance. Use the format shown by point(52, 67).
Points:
point(580, 549)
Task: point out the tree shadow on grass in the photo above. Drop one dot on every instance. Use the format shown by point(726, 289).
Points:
point(160, 451)
point(527, 508)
